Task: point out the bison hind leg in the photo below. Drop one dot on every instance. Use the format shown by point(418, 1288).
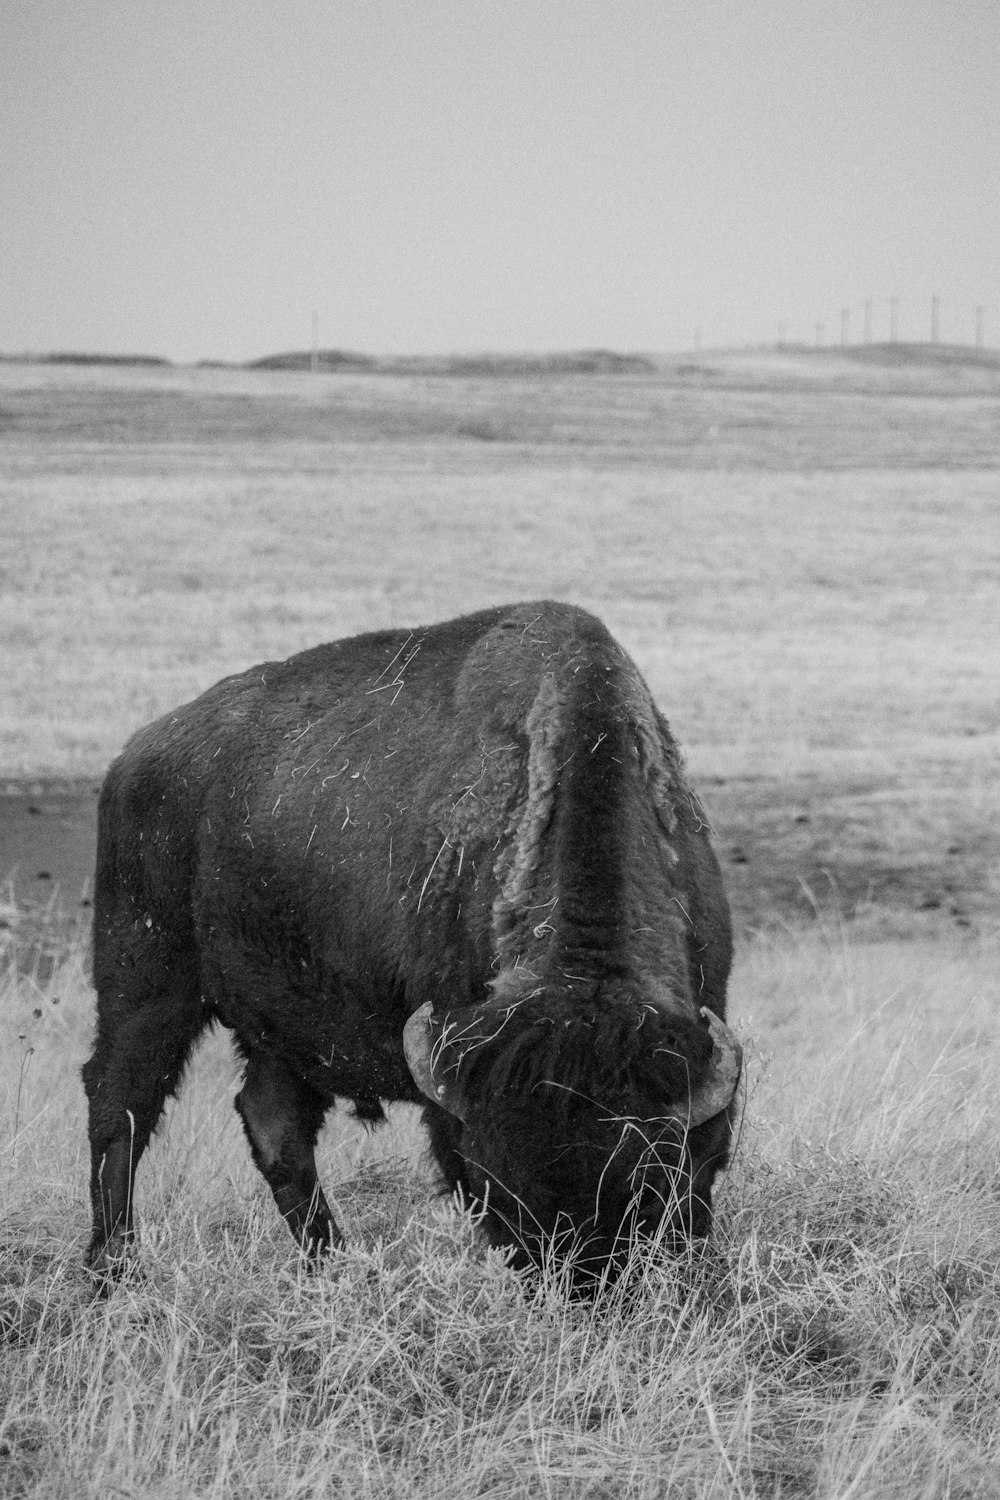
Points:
point(142, 1047)
point(282, 1115)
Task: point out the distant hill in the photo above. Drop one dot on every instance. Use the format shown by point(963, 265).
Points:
point(919, 354)
point(326, 359)
point(70, 357)
point(923, 369)
point(576, 362)
point(911, 361)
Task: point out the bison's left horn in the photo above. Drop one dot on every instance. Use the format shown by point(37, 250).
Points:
point(723, 1074)
point(418, 1045)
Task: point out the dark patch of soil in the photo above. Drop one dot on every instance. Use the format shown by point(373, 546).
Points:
point(47, 839)
point(892, 858)
point(48, 831)
point(882, 857)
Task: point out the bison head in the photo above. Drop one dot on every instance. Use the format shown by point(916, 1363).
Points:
point(578, 1131)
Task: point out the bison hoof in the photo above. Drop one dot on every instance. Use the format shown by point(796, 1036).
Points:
point(109, 1262)
point(316, 1253)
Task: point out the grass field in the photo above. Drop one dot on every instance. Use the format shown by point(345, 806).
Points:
point(803, 555)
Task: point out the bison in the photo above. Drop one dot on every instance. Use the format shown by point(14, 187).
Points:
point(459, 866)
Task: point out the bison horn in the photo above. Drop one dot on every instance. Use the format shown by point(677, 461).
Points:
point(418, 1045)
point(723, 1076)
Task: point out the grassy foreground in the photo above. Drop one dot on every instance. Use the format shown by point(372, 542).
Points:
point(841, 1338)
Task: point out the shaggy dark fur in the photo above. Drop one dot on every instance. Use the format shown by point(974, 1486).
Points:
point(489, 815)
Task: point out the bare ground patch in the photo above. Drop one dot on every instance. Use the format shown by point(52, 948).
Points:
point(888, 855)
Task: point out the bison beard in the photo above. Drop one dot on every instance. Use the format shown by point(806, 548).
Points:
point(458, 865)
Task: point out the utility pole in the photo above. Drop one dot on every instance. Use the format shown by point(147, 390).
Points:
point(314, 350)
point(980, 329)
point(935, 317)
point(819, 334)
point(845, 326)
point(782, 335)
point(868, 320)
point(893, 319)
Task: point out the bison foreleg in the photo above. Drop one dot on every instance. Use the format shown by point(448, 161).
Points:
point(282, 1116)
point(112, 1177)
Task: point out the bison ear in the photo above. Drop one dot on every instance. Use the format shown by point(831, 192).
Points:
point(419, 1038)
point(723, 1074)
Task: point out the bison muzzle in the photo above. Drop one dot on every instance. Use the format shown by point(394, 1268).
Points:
point(459, 866)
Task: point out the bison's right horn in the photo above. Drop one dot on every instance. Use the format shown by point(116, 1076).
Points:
point(723, 1075)
point(418, 1045)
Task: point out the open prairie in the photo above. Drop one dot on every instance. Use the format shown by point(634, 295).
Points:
point(802, 552)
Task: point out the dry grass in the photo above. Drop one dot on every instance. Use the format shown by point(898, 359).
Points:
point(804, 558)
point(820, 631)
point(784, 607)
point(841, 1338)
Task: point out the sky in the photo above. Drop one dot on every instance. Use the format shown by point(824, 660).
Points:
point(198, 178)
